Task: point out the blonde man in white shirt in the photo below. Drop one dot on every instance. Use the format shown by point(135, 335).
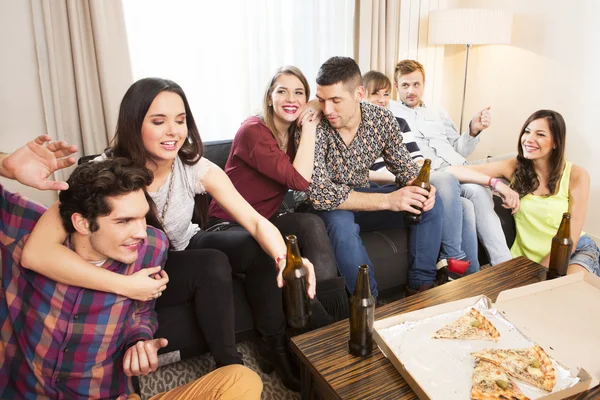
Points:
point(438, 139)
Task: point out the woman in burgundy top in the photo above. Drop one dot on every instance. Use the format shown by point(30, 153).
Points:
point(264, 164)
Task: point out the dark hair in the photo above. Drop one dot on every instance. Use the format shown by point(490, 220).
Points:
point(128, 135)
point(267, 113)
point(134, 107)
point(526, 180)
point(374, 81)
point(92, 183)
point(406, 67)
point(340, 69)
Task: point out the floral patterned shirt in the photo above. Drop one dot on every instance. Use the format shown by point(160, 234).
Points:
point(339, 168)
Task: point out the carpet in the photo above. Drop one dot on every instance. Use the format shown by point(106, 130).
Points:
point(179, 373)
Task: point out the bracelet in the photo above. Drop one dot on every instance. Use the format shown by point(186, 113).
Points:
point(493, 183)
point(279, 258)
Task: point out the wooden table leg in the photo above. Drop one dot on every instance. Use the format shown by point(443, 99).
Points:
point(305, 383)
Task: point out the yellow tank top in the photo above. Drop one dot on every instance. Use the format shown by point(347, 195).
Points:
point(538, 220)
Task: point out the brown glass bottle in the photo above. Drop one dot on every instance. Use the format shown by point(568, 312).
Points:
point(295, 275)
point(362, 315)
point(560, 252)
point(421, 181)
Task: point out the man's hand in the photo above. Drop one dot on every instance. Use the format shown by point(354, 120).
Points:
point(142, 358)
point(311, 290)
point(481, 121)
point(33, 163)
point(430, 202)
point(409, 197)
point(145, 285)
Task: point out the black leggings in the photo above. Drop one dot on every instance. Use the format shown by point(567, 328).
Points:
point(332, 304)
point(247, 257)
point(202, 278)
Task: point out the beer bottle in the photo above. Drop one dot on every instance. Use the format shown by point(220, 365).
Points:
point(295, 275)
point(560, 252)
point(421, 181)
point(362, 315)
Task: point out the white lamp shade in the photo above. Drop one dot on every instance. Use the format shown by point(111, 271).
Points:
point(470, 26)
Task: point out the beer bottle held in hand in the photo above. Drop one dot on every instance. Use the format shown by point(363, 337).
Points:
point(295, 275)
point(421, 181)
point(362, 315)
point(560, 252)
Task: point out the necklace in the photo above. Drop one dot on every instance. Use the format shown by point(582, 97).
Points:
point(283, 144)
point(161, 217)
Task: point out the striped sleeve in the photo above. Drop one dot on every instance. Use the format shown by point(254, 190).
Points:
point(409, 140)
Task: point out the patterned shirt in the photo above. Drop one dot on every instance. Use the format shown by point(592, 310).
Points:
point(340, 168)
point(61, 341)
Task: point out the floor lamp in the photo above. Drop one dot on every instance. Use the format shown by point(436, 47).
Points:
point(469, 26)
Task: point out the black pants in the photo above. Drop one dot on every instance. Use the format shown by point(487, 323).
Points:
point(332, 304)
point(203, 279)
point(247, 257)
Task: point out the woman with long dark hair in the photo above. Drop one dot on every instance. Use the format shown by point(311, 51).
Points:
point(156, 128)
point(543, 185)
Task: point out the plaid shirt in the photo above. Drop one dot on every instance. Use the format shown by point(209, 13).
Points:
point(339, 168)
point(61, 341)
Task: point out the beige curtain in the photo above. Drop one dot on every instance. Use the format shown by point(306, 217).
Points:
point(84, 68)
point(376, 31)
point(387, 31)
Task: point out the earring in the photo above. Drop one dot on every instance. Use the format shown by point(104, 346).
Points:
point(270, 105)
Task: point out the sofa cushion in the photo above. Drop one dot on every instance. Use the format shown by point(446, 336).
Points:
point(388, 250)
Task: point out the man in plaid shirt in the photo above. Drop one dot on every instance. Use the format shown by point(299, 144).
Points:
point(61, 341)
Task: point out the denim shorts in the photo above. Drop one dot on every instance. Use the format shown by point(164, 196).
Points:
point(586, 254)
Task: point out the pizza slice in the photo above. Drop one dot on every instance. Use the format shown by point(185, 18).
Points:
point(531, 365)
point(472, 325)
point(492, 382)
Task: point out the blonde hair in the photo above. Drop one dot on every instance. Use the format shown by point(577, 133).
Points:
point(405, 67)
point(267, 113)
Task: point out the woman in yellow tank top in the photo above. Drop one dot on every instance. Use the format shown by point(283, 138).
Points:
point(543, 186)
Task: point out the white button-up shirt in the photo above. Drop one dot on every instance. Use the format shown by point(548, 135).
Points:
point(436, 135)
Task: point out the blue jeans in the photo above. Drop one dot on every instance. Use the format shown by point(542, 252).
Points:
point(424, 241)
point(459, 235)
point(586, 254)
point(489, 229)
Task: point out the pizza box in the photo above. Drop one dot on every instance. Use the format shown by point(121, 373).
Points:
point(561, 315)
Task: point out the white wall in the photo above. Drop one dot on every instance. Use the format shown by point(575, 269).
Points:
point(552, 62)
point(21, 109)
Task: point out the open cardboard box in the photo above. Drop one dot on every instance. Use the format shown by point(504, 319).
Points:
point(561, 315)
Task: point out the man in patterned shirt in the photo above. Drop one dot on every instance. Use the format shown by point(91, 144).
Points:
point(350, 138)
point(61, 341)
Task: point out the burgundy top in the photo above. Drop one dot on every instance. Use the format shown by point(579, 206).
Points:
point(260, 170)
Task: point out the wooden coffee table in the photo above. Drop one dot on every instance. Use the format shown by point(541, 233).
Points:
point(330, 372)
